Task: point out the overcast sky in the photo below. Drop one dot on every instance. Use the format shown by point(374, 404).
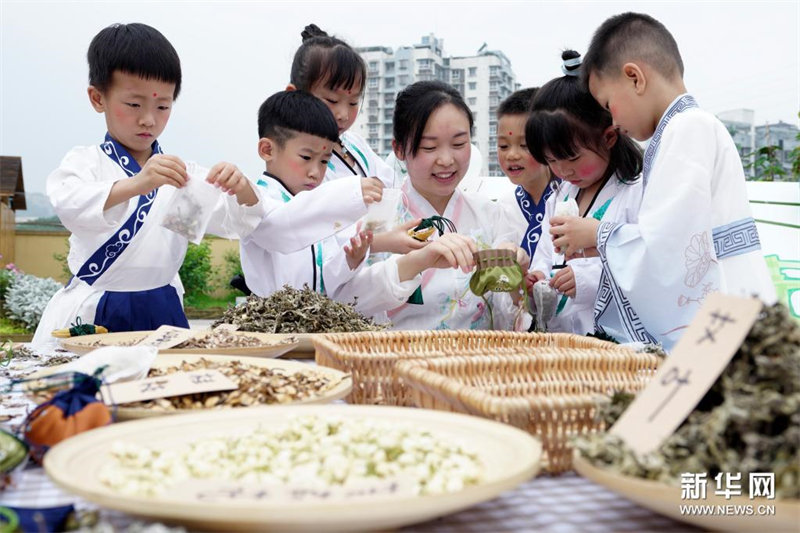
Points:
point(235, 54)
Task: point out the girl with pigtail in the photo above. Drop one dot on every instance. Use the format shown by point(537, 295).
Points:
point(599, 168)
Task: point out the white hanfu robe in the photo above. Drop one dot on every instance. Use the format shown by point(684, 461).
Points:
point(448, 301)
point(78, 190)
point(266, 269)
point(367, 163)
point(695, 234)
point(616, 202)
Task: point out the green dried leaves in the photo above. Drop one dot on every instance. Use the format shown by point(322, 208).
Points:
point(749, 421)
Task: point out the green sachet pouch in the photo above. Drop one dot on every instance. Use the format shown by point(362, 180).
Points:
point(497, 271)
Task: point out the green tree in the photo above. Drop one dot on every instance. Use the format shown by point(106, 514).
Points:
point(195, 272)
point(766, 164)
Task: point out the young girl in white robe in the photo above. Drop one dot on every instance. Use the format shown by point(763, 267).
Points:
point(599, 168)
point(432, 126)
point(334, 72)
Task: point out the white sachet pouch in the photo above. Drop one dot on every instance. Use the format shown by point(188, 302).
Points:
point(123, 363)
point(381, 215)
point(567, 208)
point(192, 205)
point(545, 298)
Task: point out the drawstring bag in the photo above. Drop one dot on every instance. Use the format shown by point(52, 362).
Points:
point(545, 299)
point(68, 413)
point(422, 233)
point(498, 271)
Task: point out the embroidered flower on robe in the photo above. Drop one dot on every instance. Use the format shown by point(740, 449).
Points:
point(698, 259)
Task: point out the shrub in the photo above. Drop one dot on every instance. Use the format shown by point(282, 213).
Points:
point(61, 259)
point(27, 296)
point(7, 275)
point(195, 272)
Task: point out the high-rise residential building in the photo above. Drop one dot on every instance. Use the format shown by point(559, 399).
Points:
point(484, 80)
point(740, 125)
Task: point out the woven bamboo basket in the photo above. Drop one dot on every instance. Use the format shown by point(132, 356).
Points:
point(369, 357)
point(550, 392)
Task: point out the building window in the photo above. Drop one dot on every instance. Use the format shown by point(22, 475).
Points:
point(473, 86)
point(494, 100)
point(387, 114)
point(373, 128)
point(403, 80)
point(387, 129)
point(404, 64)
point(372, 83)
point(472, 101)
point(373, 103)
point(492, 129)
point(389, 83)
point(389, 66)
point(473, 71)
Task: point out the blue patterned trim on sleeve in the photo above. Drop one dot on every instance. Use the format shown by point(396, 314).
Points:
point(609, 294)
point(736, 238)
point(681, 104)
point(105, 256)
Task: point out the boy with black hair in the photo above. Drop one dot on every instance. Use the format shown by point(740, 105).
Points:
point(297, 132)
point(695, 233)
point(534, 181)
point(111, 196)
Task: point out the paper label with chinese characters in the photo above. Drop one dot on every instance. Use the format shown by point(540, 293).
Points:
point(697, 360)
point(166, 337)
point(176, 384)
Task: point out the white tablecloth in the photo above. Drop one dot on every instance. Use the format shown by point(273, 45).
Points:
point(562, 503)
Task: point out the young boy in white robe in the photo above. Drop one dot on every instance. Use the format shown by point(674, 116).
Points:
point(296, 137)
point(432, 128)
point(534, 182)
point(695, 233)
point(599, 169)
point(113, 196)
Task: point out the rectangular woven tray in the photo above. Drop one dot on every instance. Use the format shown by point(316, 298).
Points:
point(370, 357)
point(550, 392)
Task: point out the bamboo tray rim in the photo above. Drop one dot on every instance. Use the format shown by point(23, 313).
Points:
point(666, 500)
point(509, 455)
point(276, 348)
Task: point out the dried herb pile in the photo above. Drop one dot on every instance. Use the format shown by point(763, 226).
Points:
point(257, 385)
point(749, 421)
point(291, 310)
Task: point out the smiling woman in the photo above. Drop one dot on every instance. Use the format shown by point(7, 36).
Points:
point(432, 127)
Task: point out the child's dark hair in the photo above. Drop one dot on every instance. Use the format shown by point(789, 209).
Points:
point(565, 118)
point(136, 49)
point(632, 37)
point(518, 103)
point(287, 113)
point(415, 104)
point(322, 58)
